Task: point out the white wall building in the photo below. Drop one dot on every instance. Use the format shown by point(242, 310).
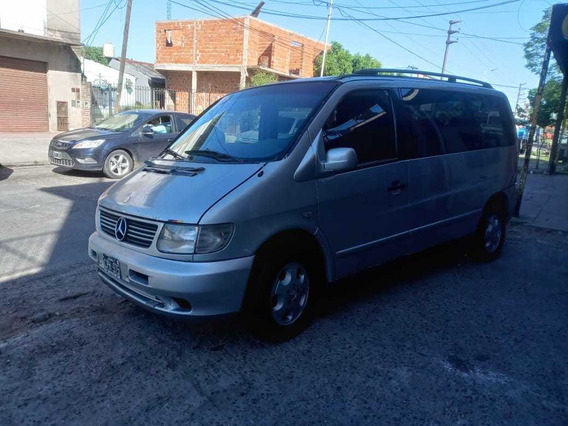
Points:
point(40, 70)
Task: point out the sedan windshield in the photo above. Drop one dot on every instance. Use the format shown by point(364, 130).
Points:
point(259, 124)
point(123, 121)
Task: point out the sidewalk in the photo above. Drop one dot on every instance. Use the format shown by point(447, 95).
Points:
point(545, 202)
point(24, 149)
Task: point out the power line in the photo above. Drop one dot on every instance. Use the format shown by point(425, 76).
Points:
point(313, 17)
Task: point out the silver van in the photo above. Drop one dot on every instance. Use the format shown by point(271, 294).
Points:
point(276, 190)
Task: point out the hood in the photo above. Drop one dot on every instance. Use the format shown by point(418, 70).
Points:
point(86, 133)
point(168, 197)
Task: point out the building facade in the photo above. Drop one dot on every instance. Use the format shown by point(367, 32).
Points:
point(40, 67)
point(203, 60)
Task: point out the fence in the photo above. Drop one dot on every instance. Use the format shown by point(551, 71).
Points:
point(138, 97)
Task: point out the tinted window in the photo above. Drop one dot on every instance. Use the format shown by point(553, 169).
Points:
point(363, 120)
point(493, 117)
point(252, 125)
point(183, 121)
point(433, 122)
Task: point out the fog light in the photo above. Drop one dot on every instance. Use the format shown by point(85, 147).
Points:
point(87, 160)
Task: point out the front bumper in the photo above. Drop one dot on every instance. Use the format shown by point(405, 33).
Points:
point(83, 159)
point(175, 288)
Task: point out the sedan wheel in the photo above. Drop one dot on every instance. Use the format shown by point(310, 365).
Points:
point(118, 164)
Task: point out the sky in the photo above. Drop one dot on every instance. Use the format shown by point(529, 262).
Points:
point(418, 42)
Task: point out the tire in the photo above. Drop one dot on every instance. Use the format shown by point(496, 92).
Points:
point(489, 238)
point(118, 164)
point(281, 293)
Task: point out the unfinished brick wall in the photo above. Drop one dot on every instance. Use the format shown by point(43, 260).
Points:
point(212, 86)
point(288, 50)
point(180, 81)
point(220, 42)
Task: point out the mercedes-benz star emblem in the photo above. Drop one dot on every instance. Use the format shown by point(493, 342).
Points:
point(120, 229)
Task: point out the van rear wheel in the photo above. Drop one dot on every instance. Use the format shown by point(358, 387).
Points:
point(490, 235)
point(281, 292)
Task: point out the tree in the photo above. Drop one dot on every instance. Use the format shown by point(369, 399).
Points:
point(95, 53)
point(550, 102)
point(535, 47)
point(260, 78)
point(340, 61)
point(361, 62)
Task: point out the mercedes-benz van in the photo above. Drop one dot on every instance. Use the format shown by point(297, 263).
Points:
point(276, 190)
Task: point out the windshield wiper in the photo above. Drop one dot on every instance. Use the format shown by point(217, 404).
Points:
point(219, 156)
point(150, 166)
point(174, 154)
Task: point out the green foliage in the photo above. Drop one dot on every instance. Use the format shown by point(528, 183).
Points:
point(340, 61)
point(535, 47)
point(95, 53)
point(550, 102)
point(262, 77)
point(361, 62)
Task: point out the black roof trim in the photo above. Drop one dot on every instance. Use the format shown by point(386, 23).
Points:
point(450, 78)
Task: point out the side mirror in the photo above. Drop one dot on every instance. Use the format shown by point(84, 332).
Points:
point(340, 160)
point(147, 130)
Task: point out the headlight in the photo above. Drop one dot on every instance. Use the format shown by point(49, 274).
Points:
point(190, 239)
point(89, 144)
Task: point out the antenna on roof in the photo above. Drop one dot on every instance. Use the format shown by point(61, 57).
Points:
point(256, 11)
point(169, 10)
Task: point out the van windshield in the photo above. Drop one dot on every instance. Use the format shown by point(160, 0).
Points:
point(259, 124)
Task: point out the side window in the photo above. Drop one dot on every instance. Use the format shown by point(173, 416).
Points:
point(161, 124)
point(493, 118)
point(182, 121)
point(363, 120)
point(434, 122)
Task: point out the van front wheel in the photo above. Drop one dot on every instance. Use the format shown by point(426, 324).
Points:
point(281, 295)
point(490, 235)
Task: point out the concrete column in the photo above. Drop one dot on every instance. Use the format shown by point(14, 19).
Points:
point(193, 94)
point(244, 61)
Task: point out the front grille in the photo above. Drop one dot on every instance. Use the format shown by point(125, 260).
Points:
point(61, 161)
point(59, 144)
point(138, 233)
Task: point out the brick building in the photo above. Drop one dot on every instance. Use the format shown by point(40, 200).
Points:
point(203, 60)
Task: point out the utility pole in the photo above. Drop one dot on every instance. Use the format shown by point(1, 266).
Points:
point(519, 98)
point(559, 119)
point(329, 9)
point(123, 56)
point(534, 117)
point(448, 42)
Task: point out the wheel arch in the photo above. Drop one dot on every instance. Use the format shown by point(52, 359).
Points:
point(500, 201)
point(300, 238)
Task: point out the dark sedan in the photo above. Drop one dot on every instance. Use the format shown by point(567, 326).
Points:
point(119, 143)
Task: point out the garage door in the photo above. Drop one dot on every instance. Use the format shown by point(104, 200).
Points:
point(23, 95)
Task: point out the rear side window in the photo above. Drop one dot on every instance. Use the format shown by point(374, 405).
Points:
point(493, 117)
point(363, 120)
point(433, 122)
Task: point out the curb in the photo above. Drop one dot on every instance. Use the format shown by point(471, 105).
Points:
point(25, 164)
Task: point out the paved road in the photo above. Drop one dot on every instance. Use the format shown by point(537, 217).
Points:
point(432, 339)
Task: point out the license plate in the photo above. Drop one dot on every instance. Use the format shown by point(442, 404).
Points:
point(56, 154)
point(110, 265)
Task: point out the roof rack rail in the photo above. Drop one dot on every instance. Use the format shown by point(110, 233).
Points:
point(450, 78)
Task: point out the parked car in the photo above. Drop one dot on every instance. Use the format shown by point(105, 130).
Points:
point(376, 167)
point(118, 144)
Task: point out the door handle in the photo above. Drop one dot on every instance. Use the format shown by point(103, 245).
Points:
point(396, 187)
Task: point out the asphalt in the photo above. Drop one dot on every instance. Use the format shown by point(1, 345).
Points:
point(430, 339)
